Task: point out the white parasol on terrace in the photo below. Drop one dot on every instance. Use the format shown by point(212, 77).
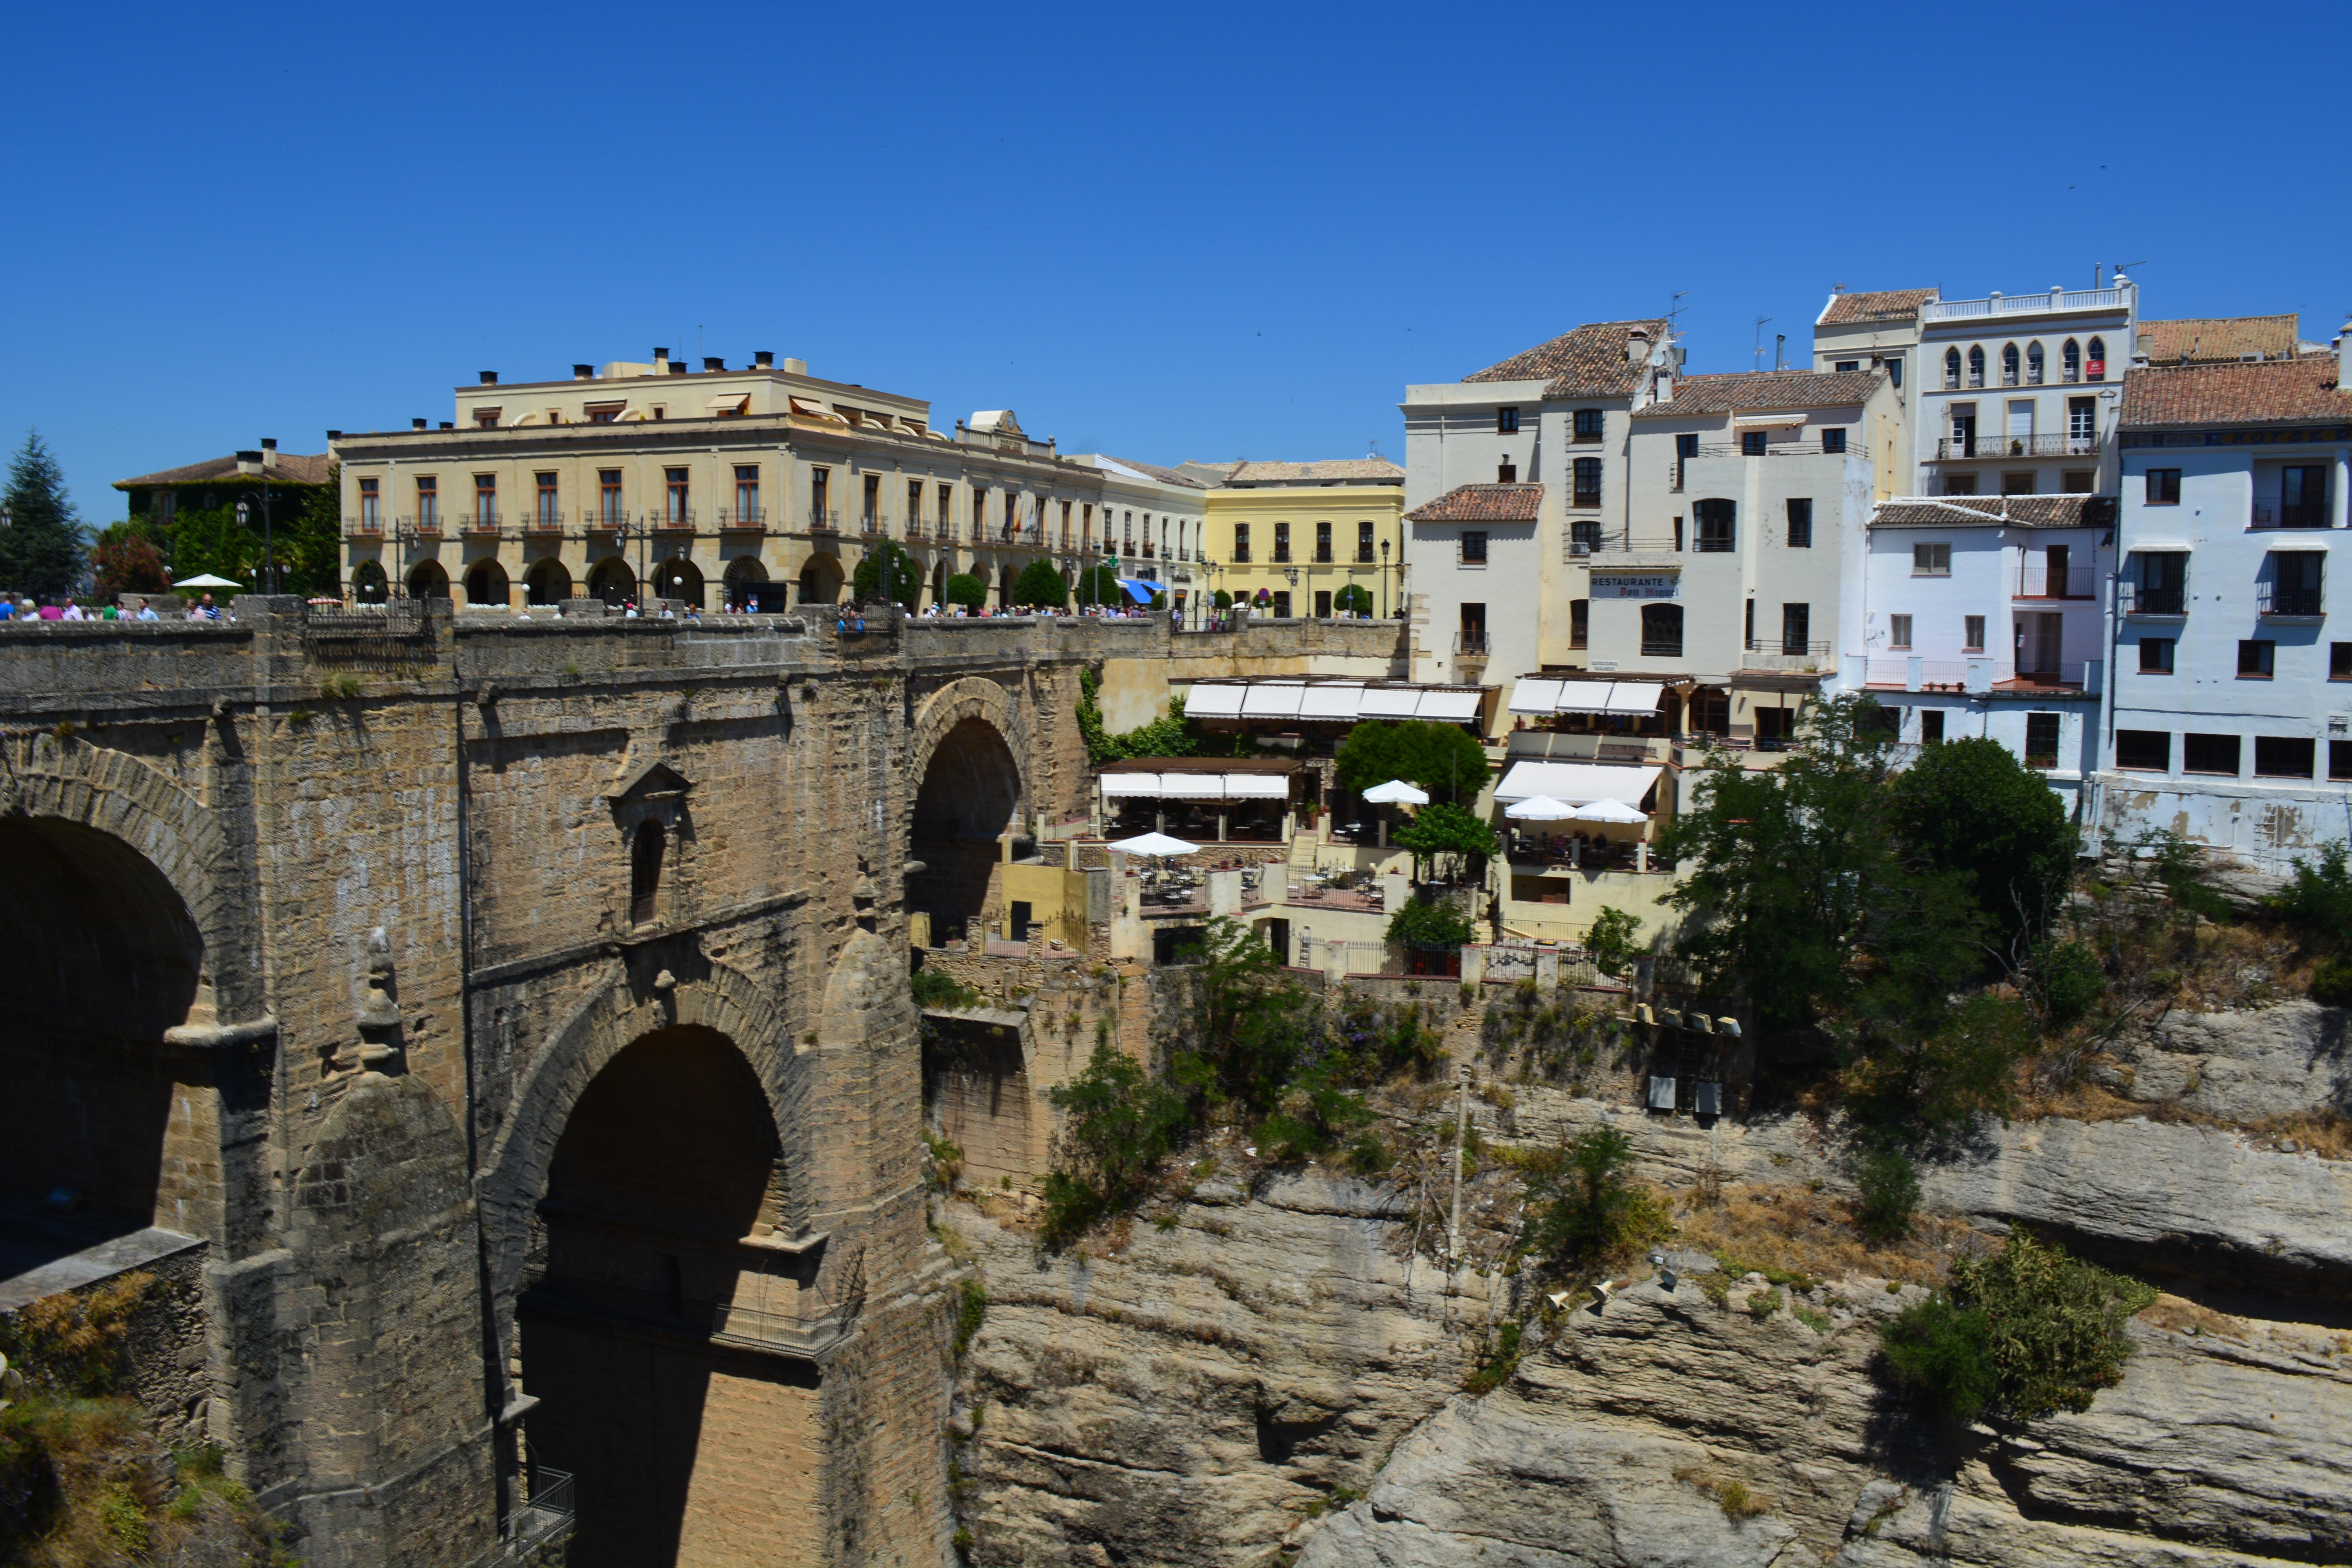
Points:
point(1155, 844)
point(205, 580)
point(1396, 791)
point(1610, 811)
point(1539, 808)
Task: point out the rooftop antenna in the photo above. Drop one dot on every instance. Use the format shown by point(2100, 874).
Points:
point(1838, 287)
point(1674, 309)
point(1760, 322)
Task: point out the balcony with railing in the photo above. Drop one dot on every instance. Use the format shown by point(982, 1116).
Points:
point(1602, 544)
point(914, 527)
point(676, 519)
point(417, 527)
point(481, 519)
point(742, 519)
point(2052, 675)
point(825, 520)
point(1977, 448)
point(870, 523)
point(2296, 514)
point(367, 524)
point(1470, 644)
point(2055, 582)
point(1798, 655)
point(2288, 603)
point(1998, 307)
point(2154, 599)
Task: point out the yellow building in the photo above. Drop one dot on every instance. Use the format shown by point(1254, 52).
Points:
point(1303, 531)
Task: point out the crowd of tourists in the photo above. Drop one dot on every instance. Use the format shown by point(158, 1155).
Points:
point(70, 607)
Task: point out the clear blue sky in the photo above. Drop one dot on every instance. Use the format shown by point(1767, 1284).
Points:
point(1180, 232)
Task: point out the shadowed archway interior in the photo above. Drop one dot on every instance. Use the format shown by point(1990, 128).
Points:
point(968, 799)
point(647, 1269)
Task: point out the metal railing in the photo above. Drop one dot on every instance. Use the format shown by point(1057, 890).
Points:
point(2057, 673)
point(1998, 305)
point(743, 517)
point(363, 523)
point(825, 520)
point(1240, 555)
point(1624, 540)
point(2139, 599)
point(1662, 648)
point(606, 519)
point(2301, 514)
point(481, 519)
point(1472, 643)
point(545, 522)
point(1959, 448)
point(1796, 449)
point(914, 528)
point(1795, 647)
point(2056, 583)
point(870, 523)
point(2272, 600)
point(679, 517)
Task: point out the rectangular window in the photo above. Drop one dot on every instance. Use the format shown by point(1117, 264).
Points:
point(1241, 541)
point(1507, 421)
point(945, 519)
point(870, 513)
point(915, 508)
point(428, 501)
point(371, 507)
point(1583, 536)
point(1282, 603)
point(2284, 757)
point(1472, 637)
point(1959, 484)
point(1323, 543)
point(2076, 481)
point(1845, 365)
point(1894, 371)
point(1972, 634)
point(2294, 585)
point(486, 501)
point(2041, 740)
point(747, 496)
point(1718, 531)
point(1751, 443)
point(1963, 439)
point(608, 497)
point(1800, 522)
point(1580, 623)
point(2339, 759)
point(675, 511)
point(1587, 490)
point(821, 498)
point(2303, 496)
point(1931, 725)
point(2018, 484)
point(486, 418)
point(1898, 631)
point(1506, 473)
point(2256, 657)
point(604, 413)
point(2081, 425)
point(2156, 655)
point(2210, 754)
point(2339, 661)
point(916, 498)
point(2144, 750)
point(1474, 547)
point(1281, 541)
point(1796, 628)
point(1588, 424)
point(1747, 626)
point(1833, 439)
point(1931, 559)
point(548, 514)
point(1322, 604)
point(2163, 487)
point(1364, 543)
point(2159, 583)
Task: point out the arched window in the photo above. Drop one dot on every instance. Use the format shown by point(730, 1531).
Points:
point(2070, 360)
point(2097, 369)
point(2009, 364)
point(368, 584)
point(1976, 365)
point(2033, 364)
point(1951, 368)
point(644, 871)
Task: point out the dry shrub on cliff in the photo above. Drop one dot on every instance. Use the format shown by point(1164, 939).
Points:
point(1795, 1231)
point(83, 1484)
point(75, 1343)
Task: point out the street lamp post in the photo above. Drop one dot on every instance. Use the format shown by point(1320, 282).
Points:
point(1384, 579)
point(255, 464)
point(1291, 574)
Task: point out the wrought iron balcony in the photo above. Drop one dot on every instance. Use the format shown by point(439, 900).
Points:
point(606, 519)
point(2271, 600)
point(481, 519)
point(678, 517)
point(2056, 583)
point(742, 519)
point(2143, 599)
point(1976, 449)
point(825, 520)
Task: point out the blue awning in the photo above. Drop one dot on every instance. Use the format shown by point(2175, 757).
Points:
point(1139, 589)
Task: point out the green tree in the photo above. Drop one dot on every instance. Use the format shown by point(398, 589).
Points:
point(127, 560)
point(1098, 584)
point(1796, 873)
point(1889, 1184)
point(1252, 1021)
point(886, 572)
point(309, 542)
point(1442, 829)
point(1971, 806)
point(2318, 900)
point(1221, 599)
point(1417, 924)
point(966, 590)
point(1935, 1072)
point(1118, 1122)
point(1611, 940)
point(1167, 736)
point(1443, 759)
point(1353, 600)
point(210, 540)
point(43, 550)
point(1583, 1207)
point(1039, 583)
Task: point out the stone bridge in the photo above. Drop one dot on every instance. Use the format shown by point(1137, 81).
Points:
point(514, 1016)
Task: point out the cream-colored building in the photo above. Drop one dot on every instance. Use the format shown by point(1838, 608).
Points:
point(1304, 533)
point(715, 487)
point(1155, 520)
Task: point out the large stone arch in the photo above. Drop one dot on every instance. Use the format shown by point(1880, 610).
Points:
point(970, 697)
point(599, 1028)
point(966, 788)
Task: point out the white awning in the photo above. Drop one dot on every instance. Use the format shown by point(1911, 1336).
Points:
point(1584, 697)
point(1390, 703)
point(1448, 707)
point(1257, 786)
point(812, 408)
point(1322, 701)
point(1215, 700)
point(1272, 699)
point(1635, 696)
point(1535, 697)
point(1577, 784)
point(1766, 421)
point(1191, 786)
point(728, 400)
point(1115, 785)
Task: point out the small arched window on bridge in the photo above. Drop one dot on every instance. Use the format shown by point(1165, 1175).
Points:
point(644, 871)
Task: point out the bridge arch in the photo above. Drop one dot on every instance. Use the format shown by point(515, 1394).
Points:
point(967, 794)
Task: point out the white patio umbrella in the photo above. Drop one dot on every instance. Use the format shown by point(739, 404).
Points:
point(205, 580)
point(1155, 844)
point(1610, 811)
point(1396, 791)
point(1539, 808)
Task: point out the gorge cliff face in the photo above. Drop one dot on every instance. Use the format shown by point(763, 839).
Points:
point(1270, 1370)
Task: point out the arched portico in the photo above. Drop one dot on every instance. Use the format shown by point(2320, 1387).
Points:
point(967, 796)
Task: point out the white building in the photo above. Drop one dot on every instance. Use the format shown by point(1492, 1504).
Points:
point(2017, 394)
point(1877, 331)
point(1986, 615)
point(1509, 475)
point(1153, 517)
point(2231, 713)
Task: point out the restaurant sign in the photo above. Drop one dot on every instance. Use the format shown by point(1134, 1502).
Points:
point(1634, 585)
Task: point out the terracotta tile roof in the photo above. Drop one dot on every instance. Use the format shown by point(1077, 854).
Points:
point(1587, 363)
point(1481, 503)
point(1887, 305)
point(1756, 392)
point(1375, 469)
point(1995, 511)
point(292, 469)
point(1154, 471)
point(2206, 340)
point(2246, 391)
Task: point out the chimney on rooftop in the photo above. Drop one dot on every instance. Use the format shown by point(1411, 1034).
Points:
point(583, 373)
point(796, 367)
point(2344, 357)
point(445, 425)
point(270, 451)
point(333, 437)
point(711, 364)
point(489, 378)
point(677, 367)
point(416, 424)
point(661, 362)
point(764, 360)
point(1637, 345)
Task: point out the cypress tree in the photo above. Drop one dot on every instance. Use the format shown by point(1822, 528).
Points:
point(44, 551)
